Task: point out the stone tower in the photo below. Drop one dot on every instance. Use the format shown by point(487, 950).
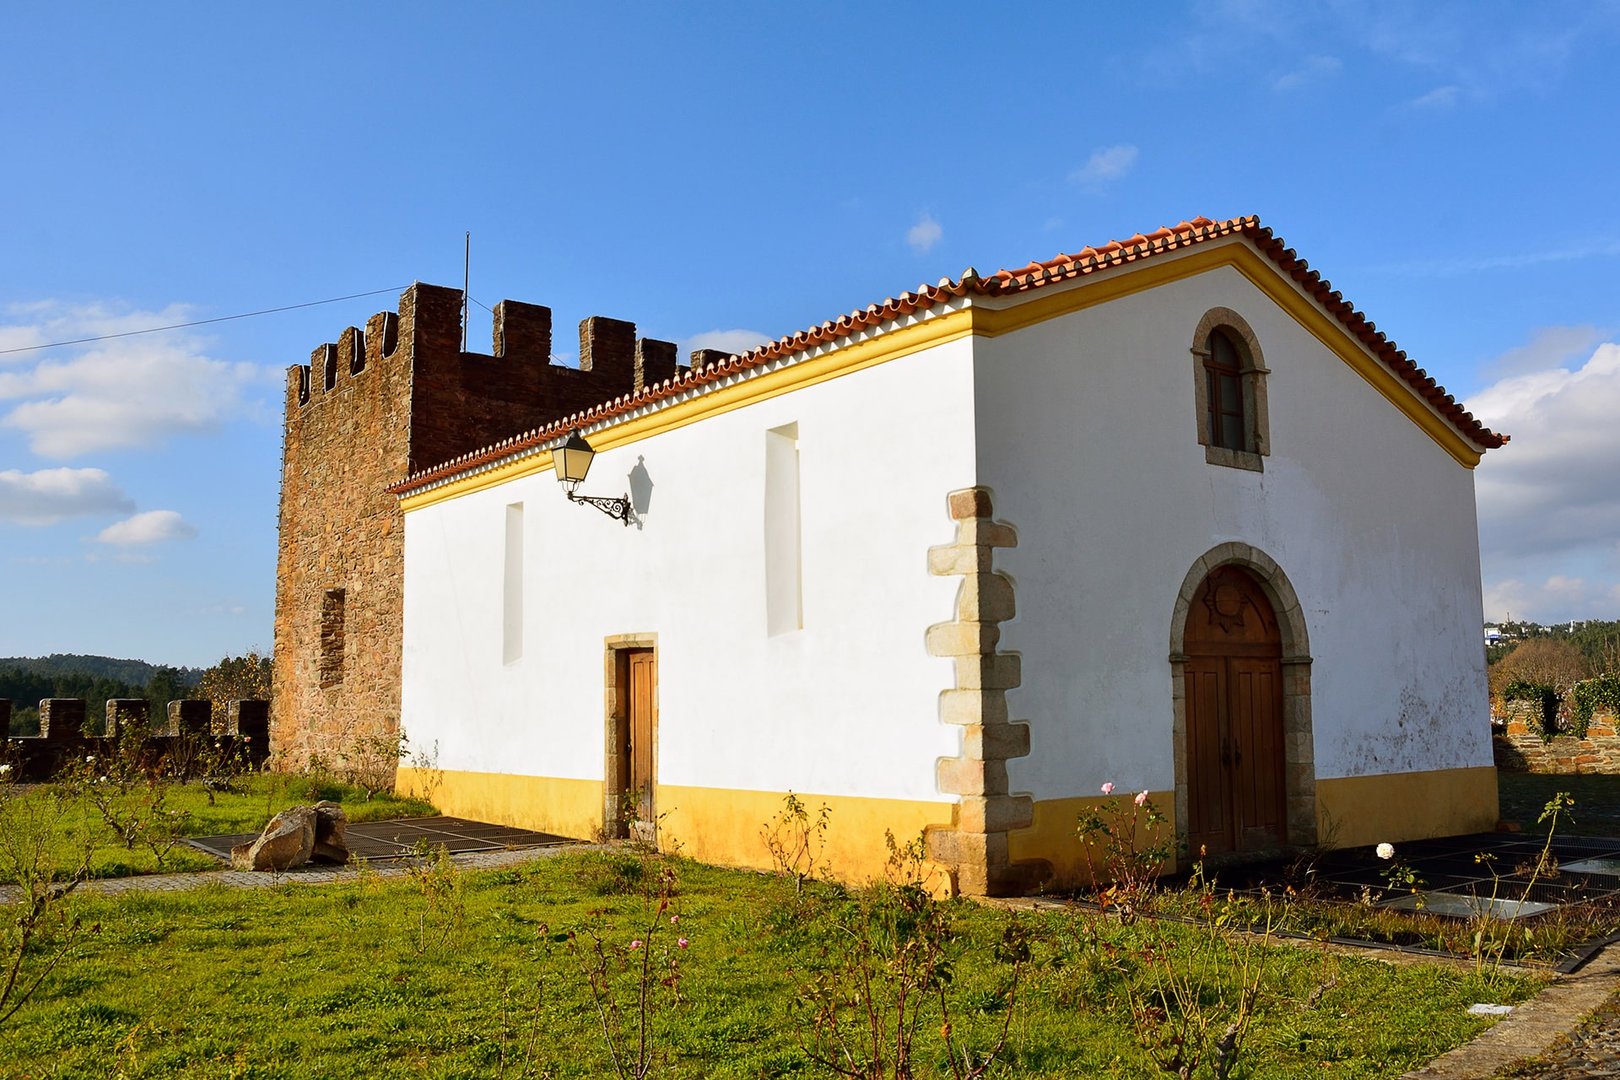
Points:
point(397, 398)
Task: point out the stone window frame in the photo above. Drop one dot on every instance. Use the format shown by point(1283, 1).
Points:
point(1257, 421)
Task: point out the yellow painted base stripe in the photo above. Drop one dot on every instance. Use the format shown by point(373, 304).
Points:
point(1052, 835)
point(565, 807)
point(1357, 810)
point(985, 319)
point(724, 826)
point(713, 825)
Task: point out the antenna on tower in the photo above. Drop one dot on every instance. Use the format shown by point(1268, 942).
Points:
point(466, 285)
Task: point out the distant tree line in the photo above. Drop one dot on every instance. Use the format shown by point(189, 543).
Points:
point(26, 680)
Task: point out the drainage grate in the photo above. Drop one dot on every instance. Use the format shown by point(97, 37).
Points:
point(380, 841)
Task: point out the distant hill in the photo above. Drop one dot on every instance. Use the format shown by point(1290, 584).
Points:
point(128, 672)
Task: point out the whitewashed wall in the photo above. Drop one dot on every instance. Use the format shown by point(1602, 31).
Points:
point(848, 705)
point(1088, 440)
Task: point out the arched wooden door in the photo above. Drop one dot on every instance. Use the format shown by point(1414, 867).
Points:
point(1236, 797)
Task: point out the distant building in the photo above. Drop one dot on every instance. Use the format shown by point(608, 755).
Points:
point(1168, 514)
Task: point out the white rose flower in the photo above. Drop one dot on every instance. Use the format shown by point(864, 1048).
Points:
point(1386, 851)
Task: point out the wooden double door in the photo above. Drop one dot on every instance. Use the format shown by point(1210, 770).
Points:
point(1236, 774)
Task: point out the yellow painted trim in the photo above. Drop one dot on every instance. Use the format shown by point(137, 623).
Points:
point(714, 825)
point(570, 808)
point(1052, 836)
point(983, 319)
point(1330, 332)
point(725, 826)
point(539, 461)
point(1354, 811)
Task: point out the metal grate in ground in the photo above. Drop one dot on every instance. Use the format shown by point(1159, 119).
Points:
point(1459, 875)
point(380, 841)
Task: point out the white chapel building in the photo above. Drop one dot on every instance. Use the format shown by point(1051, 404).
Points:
point(1167, 513)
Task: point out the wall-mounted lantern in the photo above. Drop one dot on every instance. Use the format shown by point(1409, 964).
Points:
point(572, 461)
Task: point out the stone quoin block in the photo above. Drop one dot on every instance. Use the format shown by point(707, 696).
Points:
point(61, 719)
point(191, 717)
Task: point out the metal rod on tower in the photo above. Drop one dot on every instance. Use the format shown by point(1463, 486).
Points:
point(466, 285)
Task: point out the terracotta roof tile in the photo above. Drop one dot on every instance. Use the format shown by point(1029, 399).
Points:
point(1088, 260)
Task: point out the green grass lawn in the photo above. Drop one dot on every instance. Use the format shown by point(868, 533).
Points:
point(252, 802)
point(1597, 801)
point(471, 975)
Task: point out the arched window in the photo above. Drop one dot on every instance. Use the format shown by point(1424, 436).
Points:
point(1231, 391)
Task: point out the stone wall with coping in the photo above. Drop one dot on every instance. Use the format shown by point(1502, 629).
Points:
point(241, 729)
point(1520, 747)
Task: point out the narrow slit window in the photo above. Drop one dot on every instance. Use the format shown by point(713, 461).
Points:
point(1224, 369)
point(784, 571)
point(512, 587)
point(332, 632)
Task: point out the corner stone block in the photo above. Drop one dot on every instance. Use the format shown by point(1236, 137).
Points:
point(964, 776)
point(995, 814)
point(970, 503)
point(61, 718)
point(1002, 671)
point(962, 639)
point(986, 597)
point(981, 533)
point(948, 560)
point(995, 742)
point(973, 707)
point(191, 717)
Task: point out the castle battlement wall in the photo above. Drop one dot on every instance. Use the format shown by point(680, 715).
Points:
point(369, 409)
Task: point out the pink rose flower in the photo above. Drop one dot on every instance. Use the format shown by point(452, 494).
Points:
point(682, 942)
point(1141, 800)
point(1108, 788)
point(636, 944)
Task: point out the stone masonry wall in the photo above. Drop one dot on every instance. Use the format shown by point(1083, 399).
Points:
point(381, 403)
point(1520, 747)
point(238, 732)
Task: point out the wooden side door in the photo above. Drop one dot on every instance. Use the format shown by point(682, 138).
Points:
point(643, 728)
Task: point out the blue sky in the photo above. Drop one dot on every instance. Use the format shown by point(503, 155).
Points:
point(721, 173)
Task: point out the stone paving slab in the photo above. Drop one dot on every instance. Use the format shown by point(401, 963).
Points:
point(1536, 1026)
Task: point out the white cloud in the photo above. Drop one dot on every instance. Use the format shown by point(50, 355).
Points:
point(727, 341)
point(925, 234)
point(1314, 69)
point(47, 496)
point(1549, 347)
point(1438, 99)
point(1104, 166)
point(1549, 504)
point(150, 527)
point(120, 393)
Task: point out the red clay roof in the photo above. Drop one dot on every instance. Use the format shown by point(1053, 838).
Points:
point(1088, 260)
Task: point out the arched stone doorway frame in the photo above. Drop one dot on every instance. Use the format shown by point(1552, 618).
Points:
point(1299, 751)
